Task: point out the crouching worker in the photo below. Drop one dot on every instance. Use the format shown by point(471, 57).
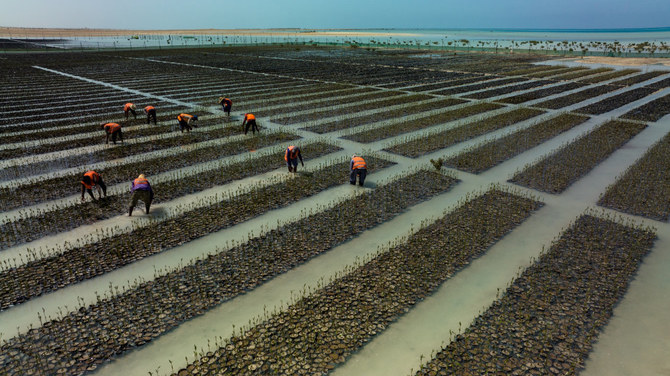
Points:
point(129, 107)
point(250, 121)
point(141, 191)
point(185, 121)
point(226, 105)
point(358, 168)
point(291, 157)
point(90, 180)
point(114, 130)
point(151, 113)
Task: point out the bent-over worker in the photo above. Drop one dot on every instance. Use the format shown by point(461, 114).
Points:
point(129, 107)
point(114, 130)
point(358, 168)
point(185, 121)
point(151, 113)
point(90, 180)
point(226, 104)
point(250, 121)
point(291, 157)
point(141, 191)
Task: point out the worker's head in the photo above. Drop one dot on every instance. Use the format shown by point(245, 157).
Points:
point(132, 106)
point(87, 180)
point(195, 117)
point(141, 176)
point(353, 156)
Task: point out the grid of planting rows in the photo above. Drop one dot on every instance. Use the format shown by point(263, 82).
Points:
point(424, 125)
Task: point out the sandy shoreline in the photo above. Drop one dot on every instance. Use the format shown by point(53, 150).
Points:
point(30, 32)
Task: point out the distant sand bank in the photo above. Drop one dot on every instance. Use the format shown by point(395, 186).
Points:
point(18, 32)
point(632, 61)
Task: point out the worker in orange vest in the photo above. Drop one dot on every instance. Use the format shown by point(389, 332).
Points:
point(151, 113)
point(226, 104)
point(90, 180)
point(291, 157)
point(141, 191)
point(114, 130)
point(185, 121)
point(129, 107)
point(358, 168)
point(250, 121)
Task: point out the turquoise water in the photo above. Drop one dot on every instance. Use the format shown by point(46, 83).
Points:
point(618, 41)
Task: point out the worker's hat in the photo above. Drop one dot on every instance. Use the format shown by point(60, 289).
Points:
point(132, 106)
point(141, 176)
point(353, 156)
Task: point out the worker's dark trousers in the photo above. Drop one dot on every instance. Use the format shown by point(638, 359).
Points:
point(361, 173)
point(252, 124)
point(184, 125)
point(117, 134)
point(226, 109)
point(151, 115)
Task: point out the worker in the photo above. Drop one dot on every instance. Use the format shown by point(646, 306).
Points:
point(114, 130)
point(226, 104)
point(141, 190)
point(291, 157)
point(250, 121)
point(90, 180)
point(129, 107)
point(185, 121)
point(358, 168)
point(151, 113)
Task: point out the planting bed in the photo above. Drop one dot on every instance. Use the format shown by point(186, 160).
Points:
point(62, 186)
point(308, 106)
point(609, 76)
point(651, 111)
point(43, 223)
point(483, 157)
point(645, 187)
point(350, 122)
point(662, 84)
point(543, 74)
point(47, 274)
point(638, 78)
point(395, 100)
point(558, 171)
point(322, 329)
point(377, 134)
point(577, 97)
point(580, 73)
point(507, 89)
point(614, 102)
point(479, 86)
point(189, 292)
point(422, 145)
point(537, 94)
point(548, 319)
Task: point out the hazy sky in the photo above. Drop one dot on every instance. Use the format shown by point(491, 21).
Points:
point(224, 14)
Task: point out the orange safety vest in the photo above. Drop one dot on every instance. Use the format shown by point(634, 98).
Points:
point(127, 106)
point(227, 101)
point(140, 181)
point(149, 108)
point(95, 178)
point(291, 153)
point(112, 127)
point(249, 117)
point(184, 117)
point(358, 163)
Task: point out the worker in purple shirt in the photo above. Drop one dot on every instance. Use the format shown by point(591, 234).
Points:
point(141, 191)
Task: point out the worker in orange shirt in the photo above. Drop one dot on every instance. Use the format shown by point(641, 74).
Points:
point(141, 190)
point(129, 107)
point(291, 157)
point(92, 180)
point(185, 121)
point(151, 113)
point(250, 121)
point(358, 168)
point(114, 130)
point(226, 104)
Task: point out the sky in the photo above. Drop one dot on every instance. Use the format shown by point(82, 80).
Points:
point(339, 14)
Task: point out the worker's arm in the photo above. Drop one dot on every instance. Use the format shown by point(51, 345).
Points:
point(300, 156)
point(351, 165)
point(83, 189)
